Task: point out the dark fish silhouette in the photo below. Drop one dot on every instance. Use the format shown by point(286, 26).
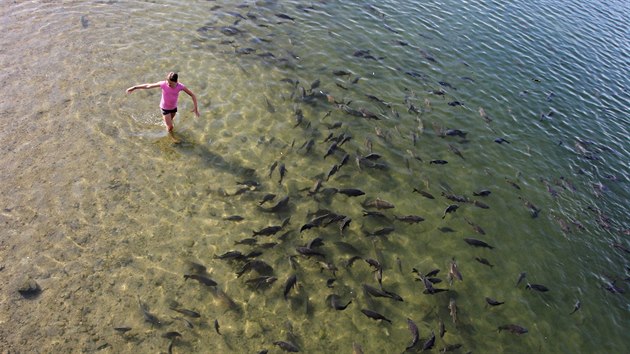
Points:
point(282, 204)
point(450, 209)
point(234, 218)
point(351, 192)
point(287, 346)
point(259, 266)
point(267, 198)
point(415, 334)
point(283, 171)
point(171, 335)
point(378, 204)
point(438, 162)
point(500, 141)
point(477, 243)
point(285, 17)
point(411, 219)
point(289, 284)
point(475, 227)
point(380, 232)
point(513, 328)
point(429, 342)
point(186, 312)
point(261, 281)
point(479, 204)
point(305, 251)
point(216, 326)
point(375, 315)
point(484, 261)
point(576, 307)
point(423, 193)
point(537, 287)
point(202, 279)
point(334, 301)
point(493, 302)
point(122, 329)
point(148, 317)
point(482, 193)
point(520, 278)
point(267, 231)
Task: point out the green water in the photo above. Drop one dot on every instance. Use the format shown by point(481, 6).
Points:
point(101, 209)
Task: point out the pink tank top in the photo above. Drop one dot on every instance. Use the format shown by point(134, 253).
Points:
point(170, 95)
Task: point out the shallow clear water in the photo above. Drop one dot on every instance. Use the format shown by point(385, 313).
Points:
point(102, 210)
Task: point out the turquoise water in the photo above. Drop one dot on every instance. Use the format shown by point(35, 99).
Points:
point(104, 211)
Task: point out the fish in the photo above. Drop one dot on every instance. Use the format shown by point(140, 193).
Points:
point(513, 328)
point(378, 204)
point(186, 312)
point(537, 287)
point(375, 315)
point(334, 301)
point(513, 183)
point(234, 218)
point(351, 192)
point(282, 170)
point(438, 162)
point(285, 17)
point(122, 329)
point(411, 219)
point(484, 261)
point(455, 150)
point(501, 141)
point(477, 243)
point(332, 171)
point(576, 307)
point(441, 327)
point(455, 198)
point(423, 193)
point(305, 251)
point(415, 334)
point(450, 209)
point(171, 335)
point(331, 150)
point(520, 278)
point(264, 280)
point(484, 115)
point(282, 204)
point(356, 348)
point(455, 132)
point(287, 346)
point(267, 198)
point(84, 21)
point(289, 284)
point(272, 168)
point(450, 348)
point(475, 227)
point(344, 223)
point(202, 279)
point(429, 343)
point(216, 326)
point(493, 302)
point(452, 307)
point(267, 231)
point(454, 272)
point(259, 266)
point(479, 204)
point(381, 232)
point(341, 72)
point(270, 107)
point(148, 317)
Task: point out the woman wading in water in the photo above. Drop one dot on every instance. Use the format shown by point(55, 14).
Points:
point(170, 93)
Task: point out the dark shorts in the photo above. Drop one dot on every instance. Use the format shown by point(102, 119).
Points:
point(168, 111)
